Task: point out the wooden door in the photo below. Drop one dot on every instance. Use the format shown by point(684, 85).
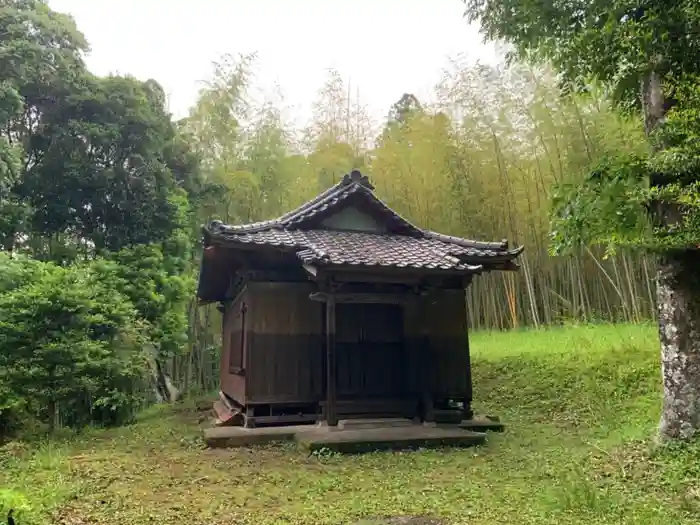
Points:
point(370, 351)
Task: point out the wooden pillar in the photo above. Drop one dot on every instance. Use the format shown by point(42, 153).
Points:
point(331, 372)
point(427, 360)
point(414, 353)
point(467, 412)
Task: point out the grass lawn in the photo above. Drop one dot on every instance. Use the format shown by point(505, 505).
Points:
point(580, 405)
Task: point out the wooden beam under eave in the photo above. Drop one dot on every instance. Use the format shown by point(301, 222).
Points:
point(310, 269)
point(350, 276)
point(511, 266)
point(502, 266)
point(405, 274)
point(363, 298)
point(467, 281)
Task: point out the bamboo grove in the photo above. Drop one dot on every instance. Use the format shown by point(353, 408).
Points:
point(480, 160)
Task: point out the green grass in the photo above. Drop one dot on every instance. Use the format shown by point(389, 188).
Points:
point(580, 404)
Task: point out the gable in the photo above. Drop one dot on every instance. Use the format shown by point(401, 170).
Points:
point(352, 219)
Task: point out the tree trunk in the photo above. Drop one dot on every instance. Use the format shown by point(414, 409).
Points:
point(678, 293)
point(678, 300)
point(166, 392)
point(53, 416)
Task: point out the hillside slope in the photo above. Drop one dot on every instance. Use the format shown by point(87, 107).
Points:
point(580, 404)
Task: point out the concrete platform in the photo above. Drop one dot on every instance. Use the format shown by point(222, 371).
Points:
point(356, 424)
point(480, 425)
point(351, 436)
point(232, 437)
point(388, 438)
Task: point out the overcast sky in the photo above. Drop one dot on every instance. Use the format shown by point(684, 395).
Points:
point(384, 48)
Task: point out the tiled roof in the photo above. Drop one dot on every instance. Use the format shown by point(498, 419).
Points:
point(353, 186)
point(405, 246)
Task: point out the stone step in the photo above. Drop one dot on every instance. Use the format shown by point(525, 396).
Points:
point(232, 437)
point(448, 416)
point(384, 422)
point(366, 440)
point(482, 425)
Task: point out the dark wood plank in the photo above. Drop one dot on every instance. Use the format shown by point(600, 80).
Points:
point(371, 355)
point(384, 407)
point(287, 346)
point(428, 363)
point(284, 419)
point(331, 377)
point(364, 298)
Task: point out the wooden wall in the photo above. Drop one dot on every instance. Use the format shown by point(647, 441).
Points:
point(446, 322)
point(233, 385)
point(286, 344)
point(370, 351)
point(417, 356)
point(284, 354)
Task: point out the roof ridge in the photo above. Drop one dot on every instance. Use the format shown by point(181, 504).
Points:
point(354, 178)
point(455, 259)
point(310, 204)
point(357, 177)
point(393, 212)
point(467, 243)
point(351, 183)
point(341, 193)
point(349, 179)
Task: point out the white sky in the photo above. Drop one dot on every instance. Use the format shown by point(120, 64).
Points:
point(384, 48)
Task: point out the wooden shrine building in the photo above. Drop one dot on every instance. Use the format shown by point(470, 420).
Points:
point(343, 309)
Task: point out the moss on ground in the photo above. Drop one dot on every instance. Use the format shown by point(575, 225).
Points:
point(580, 404)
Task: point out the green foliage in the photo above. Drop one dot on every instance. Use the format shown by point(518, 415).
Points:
point(150, 278)
point(247, 171)
point(159, 281)
point(109, 143)
point(621, 43)
point(611, 203)
point(96, 178)
point(40, 63)
point(70, 342)
point(19, 504)
point(10, 107)
point(111, 139)
point(606, 207)
point(677, 139)
point(403, 109)
point(18, 271)
point(617, 42)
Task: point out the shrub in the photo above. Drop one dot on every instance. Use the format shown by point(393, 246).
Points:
point(72, 344)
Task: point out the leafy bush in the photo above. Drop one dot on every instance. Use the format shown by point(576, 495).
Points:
point(157, 285)
point(71, 343)
point(19, 504)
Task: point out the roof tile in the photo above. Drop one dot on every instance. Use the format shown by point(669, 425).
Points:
point(415, 248)
point(368, 249)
